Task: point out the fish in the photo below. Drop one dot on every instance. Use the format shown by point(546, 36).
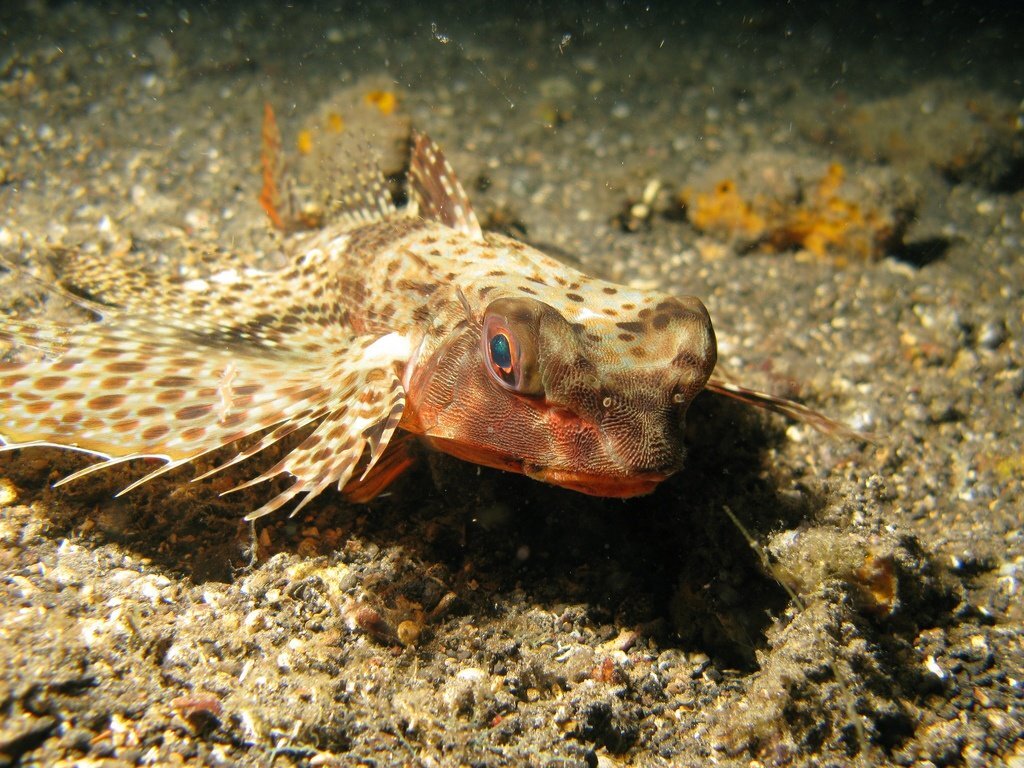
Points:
point(389, 325)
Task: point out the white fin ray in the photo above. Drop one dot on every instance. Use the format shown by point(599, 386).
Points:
point(331, 454)
point(107, 463)
point(48, 338)
point(275, 435)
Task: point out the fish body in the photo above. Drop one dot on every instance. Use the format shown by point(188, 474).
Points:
point(387, 324)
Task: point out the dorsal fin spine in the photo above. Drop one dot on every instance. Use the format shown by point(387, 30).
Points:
point(435, 192)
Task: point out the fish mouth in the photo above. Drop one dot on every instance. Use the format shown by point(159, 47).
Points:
point(610, 486)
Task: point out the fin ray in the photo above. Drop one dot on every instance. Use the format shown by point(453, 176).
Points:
point(362, 196)
point(788, 408)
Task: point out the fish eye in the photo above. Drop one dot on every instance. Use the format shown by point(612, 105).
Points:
point(510, 342)
point(503, 354)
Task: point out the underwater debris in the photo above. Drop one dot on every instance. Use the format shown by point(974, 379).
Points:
point(384, 101)
point(636, 214)
point(776, 202)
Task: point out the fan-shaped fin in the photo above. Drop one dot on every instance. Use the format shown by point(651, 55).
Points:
point(123, 392)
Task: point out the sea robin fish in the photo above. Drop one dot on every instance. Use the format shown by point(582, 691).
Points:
point(388, 324)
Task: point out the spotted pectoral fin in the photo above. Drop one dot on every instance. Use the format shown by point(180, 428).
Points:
point(233, 296)
point(435, 191)
point(48, 338)
point(119, 392)
point(122, 392)
point(331, 454)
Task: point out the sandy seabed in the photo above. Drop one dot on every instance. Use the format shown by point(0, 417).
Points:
point(843, 188)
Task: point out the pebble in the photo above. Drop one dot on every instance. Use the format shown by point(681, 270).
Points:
point(8, 493)
point(992, 334)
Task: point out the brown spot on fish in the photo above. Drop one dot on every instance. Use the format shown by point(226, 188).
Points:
point(66, 363)
point(126, 366)
point(51, 382)
point(174, 381)
point(170, 396)
point(190, 412)
point(105, 402)
point(193, 434)
point(156, 432)
point(114, 382)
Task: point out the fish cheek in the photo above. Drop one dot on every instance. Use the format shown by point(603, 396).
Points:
point(478, 420)
point(573, 446)
point(510, 426)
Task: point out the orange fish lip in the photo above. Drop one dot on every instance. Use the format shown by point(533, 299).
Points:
point(622, 487)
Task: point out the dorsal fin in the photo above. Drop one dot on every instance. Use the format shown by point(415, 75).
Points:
point(359, 195)
point(362, 195)
point(435, 192)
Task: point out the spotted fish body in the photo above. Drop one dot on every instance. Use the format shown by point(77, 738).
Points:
point(387, 324)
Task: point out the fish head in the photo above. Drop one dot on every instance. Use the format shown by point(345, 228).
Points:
point(589, 400)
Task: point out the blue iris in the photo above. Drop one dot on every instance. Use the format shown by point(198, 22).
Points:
point(501, 352)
